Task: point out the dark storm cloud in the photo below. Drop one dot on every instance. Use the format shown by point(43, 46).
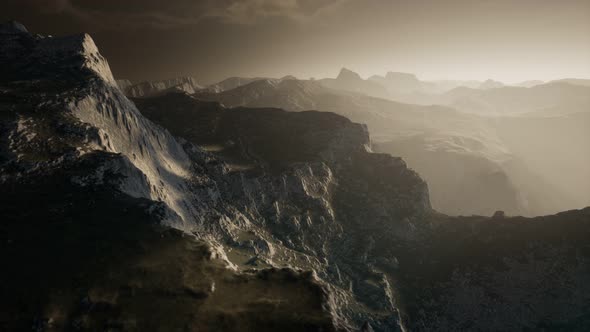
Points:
point(111, 14)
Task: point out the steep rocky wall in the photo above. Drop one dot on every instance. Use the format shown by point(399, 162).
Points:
point(84, 177)
point(384, 243)
point(147, 89)
point(308, 182)
point(89, 92)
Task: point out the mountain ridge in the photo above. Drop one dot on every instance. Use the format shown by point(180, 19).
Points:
point(283, 220)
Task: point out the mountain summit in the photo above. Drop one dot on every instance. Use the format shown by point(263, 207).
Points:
point(348, 75)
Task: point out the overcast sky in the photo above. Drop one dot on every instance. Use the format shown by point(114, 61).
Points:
point(212, 39)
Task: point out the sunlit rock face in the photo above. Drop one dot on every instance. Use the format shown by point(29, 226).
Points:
point(389, 246)
point(307, 183)
point(173, 213)
point(87, 183)
point(265, 189)
point(88, 95)
point(152, 88)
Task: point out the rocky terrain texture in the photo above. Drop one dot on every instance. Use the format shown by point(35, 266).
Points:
point(83, 212)
point(444, 273)
point(152, 88)
point(182, 214)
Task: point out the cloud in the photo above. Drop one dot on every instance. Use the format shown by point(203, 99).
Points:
point(113, 14)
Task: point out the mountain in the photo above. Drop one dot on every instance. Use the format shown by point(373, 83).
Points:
point(529, 84)
point(574, 81)
point(473, 149)
point(406, 86)
point(232, 83)
point(403, 83)
point(556, 98)
point(258, 225)
point(347, 80)
point(182, 214)
point(151, 88)
point(496, 258)
point(90, 189)
point(456, 169)
point(124, 84)
point(490, 84)
point(491, 97)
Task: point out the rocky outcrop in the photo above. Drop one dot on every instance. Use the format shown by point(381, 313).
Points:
point(235, 82)
point(61, 58)
point(124, 84)
point(331, 196)
point(232, 83)
point(152, 88)
point(403, 83)
point(89, 103)
point(82, 212)
point(83, 255)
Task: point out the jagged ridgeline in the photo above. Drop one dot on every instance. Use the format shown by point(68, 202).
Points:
point(186, 215)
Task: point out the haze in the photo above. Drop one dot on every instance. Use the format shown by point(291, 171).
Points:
point(510, 41)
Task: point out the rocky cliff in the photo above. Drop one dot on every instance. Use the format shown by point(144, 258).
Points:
point(151, 88)
point(254, 203)
point(181, 214)
point(87, 185)
point(309, 185)
point(441, 273)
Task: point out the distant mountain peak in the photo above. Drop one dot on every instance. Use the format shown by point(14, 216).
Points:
point(349, 75)
point(288, 78)
point(491, 84)
point(397, 75)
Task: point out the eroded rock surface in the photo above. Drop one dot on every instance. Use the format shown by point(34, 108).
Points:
point(153, 88)
point(192, 216)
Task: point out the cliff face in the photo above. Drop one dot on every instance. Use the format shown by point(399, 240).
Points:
point(455, 153)
point(264, 189)
point(280, 221)
point(86, 100)
point(382, 239)
point(308, 186)
point(86, 183)
point(151, 88)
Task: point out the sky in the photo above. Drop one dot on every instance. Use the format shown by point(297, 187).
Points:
point(510, 41)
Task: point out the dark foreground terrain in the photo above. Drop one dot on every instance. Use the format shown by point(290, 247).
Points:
point(175, 214)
